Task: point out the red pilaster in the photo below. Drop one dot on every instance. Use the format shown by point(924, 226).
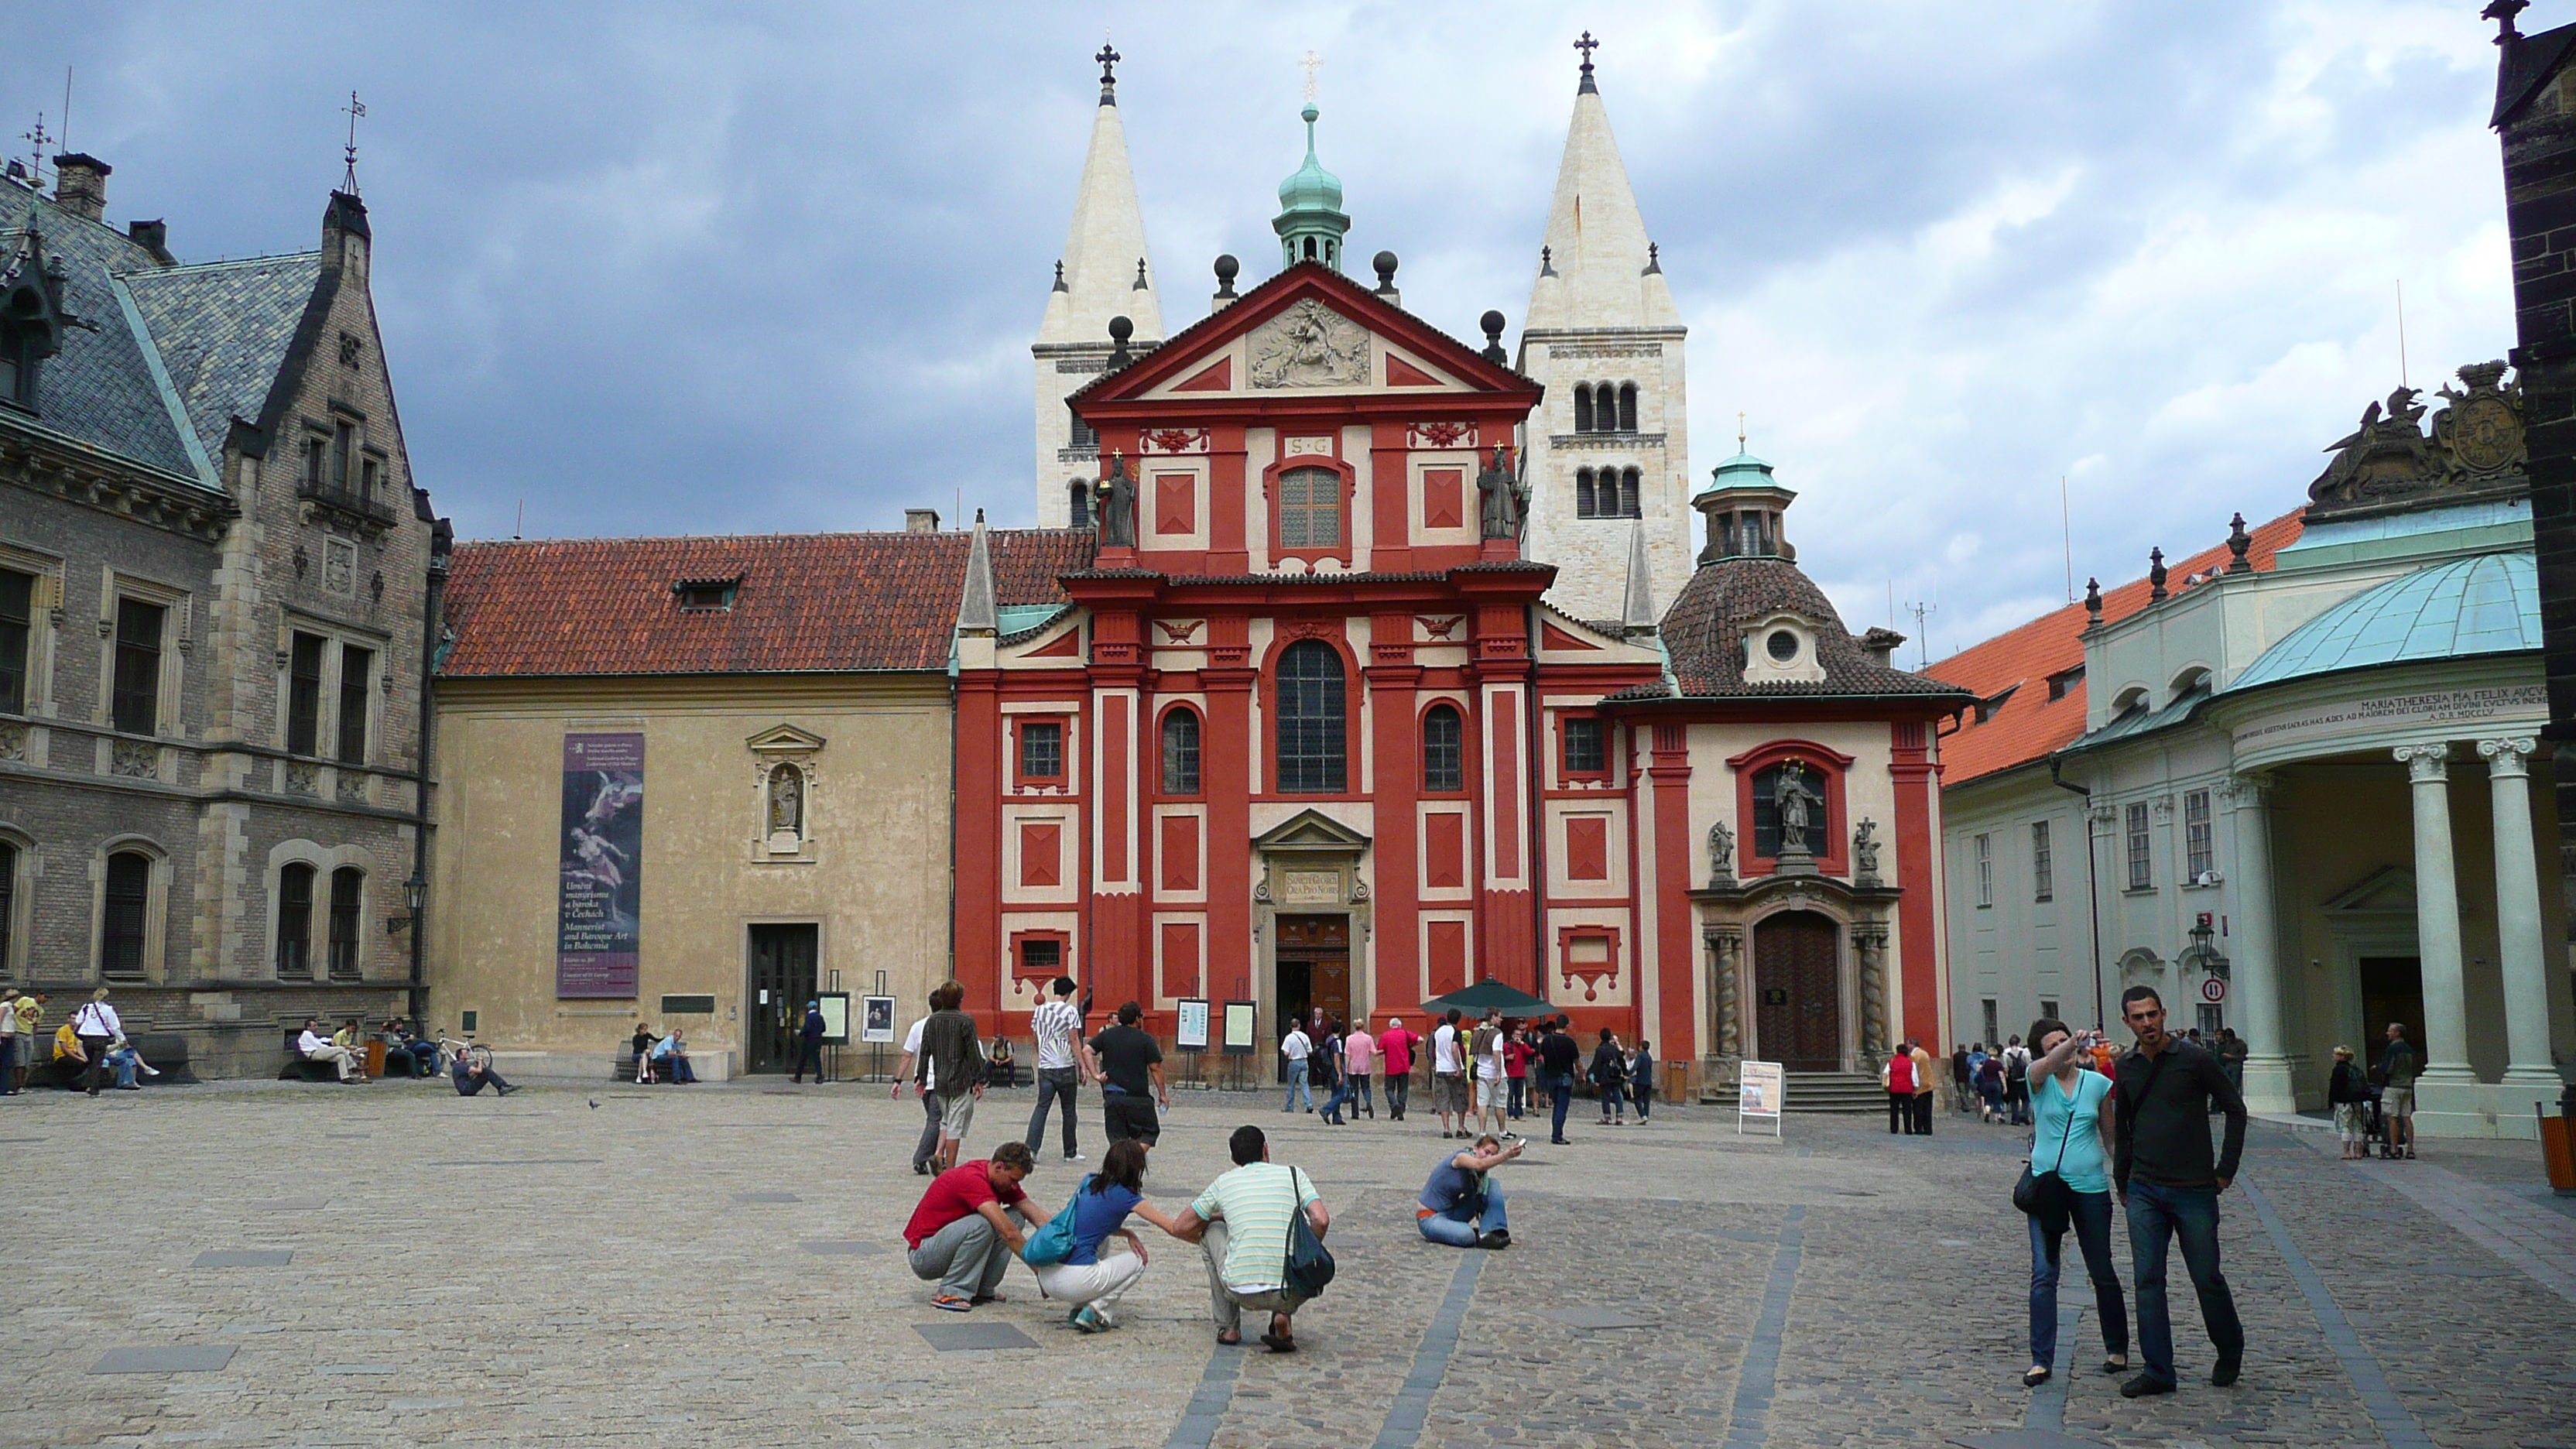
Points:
point(1675, 1011)
point(1915, 779)
point(1392, 680)
point(1390, 520)
point(1225, 766)
point(976, 915)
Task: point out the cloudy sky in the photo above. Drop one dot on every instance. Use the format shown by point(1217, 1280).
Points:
point(661, 268)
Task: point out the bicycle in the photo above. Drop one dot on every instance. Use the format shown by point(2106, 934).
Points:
point(451, 1051)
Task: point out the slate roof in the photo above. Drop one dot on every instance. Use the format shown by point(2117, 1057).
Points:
point(2030, 726)
point(1704, 637)
point(2489, 604)
point(223, 329)
point(807, 602)
point(203, 342)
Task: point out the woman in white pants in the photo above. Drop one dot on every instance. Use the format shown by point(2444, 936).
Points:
point(1089, 1280)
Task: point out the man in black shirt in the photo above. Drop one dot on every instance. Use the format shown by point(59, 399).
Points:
point(1129, 1064)
point(2164, 1175)
point(1557, 1058)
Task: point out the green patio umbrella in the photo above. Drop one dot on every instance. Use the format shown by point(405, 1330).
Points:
point(1489, 995)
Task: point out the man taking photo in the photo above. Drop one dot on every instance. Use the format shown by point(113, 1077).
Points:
point(2162, 1170)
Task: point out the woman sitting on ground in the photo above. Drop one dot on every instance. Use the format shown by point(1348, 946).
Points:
point(1462, 1206)
point(1085, 1279)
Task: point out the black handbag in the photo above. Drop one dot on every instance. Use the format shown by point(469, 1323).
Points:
point(1310, 1263)
point(2029, 1194)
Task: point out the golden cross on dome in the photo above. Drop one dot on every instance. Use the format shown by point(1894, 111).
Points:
point(1739, 432)
point(1311, 63)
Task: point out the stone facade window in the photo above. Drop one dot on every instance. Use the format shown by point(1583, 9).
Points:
point(1443, 750)
point(295, 923)
point(304, 695)
point(137, 702)
point(357, 672)
point(17, 632)
point(1586, 751)
point(1312, 720)
point(8, 905)
point(1042, 752)
point(1985, 845)
point(125, 923)
point(1181, 752)
point(348, 887)
point(2043, 868)
point(2141, 848)
point(2200, 855)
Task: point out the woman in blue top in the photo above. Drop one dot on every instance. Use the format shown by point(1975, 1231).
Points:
point(1087, 1280)
point(2071, 1138)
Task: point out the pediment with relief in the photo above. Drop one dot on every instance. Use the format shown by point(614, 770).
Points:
point(1309, 346)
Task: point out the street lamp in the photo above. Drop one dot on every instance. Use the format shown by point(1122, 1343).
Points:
point(2205, 951)
point(415, 897)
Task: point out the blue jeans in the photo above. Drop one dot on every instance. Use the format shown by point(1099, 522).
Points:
point(1520, 1094)
point(2091, 1220)
point(1399, 1090)
point(1560, 1091)
point(1341, 1095)
point(1360, 1088)
point(1054, 1083)
point(2191, 1214)
point(1297, 1084)
point(1457, 1229)
point(123, 1060)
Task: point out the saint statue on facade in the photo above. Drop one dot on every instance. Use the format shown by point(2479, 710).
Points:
point(1117, 506)
point(786, 800)
point(1865, 850)
point(1502, 499)
point(1796, 801)
point(1721, 853)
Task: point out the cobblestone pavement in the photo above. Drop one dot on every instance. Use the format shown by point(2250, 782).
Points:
point(720, 1265)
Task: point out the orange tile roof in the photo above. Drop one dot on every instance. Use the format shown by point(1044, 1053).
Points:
point(2030, 726)
point(820, 601)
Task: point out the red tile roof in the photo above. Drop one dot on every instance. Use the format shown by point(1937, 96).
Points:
point(2030, 726)
point(817, 601)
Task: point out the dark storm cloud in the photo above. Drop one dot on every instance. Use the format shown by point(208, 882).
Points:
point(661, 268)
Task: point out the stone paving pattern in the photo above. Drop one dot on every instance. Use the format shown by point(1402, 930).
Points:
point(541, 1271)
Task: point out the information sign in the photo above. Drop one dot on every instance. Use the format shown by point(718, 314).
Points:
point(1239, 1024)
point(1190, 1034)
point(835, 1006)
point(876, 1019)
point(1761, 1089)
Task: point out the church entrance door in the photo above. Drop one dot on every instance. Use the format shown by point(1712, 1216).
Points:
point(782, 981)
point(1314, 969)
point(1797, 988)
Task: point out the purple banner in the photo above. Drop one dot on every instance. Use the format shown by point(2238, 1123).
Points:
point(598, 910)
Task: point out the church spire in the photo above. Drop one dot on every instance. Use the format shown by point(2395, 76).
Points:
point(1104, 251)
point(1310, 223)
point(1637, 605)
point(1601, 271)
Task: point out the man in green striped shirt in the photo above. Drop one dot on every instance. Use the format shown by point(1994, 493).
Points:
point(1241, 1224)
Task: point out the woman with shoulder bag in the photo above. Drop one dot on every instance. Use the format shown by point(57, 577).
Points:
point(1085, 1277)
point(2069, 1182)
point(2348, 1092)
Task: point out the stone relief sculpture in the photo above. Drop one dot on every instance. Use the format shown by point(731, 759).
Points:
point(1796, 801)
point(1309, 345)
point(786, 801)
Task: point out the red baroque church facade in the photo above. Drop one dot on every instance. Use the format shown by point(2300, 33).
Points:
point(1305, 736)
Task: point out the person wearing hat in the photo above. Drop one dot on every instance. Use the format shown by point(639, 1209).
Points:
point(2348, 1093)
point(810, 1052)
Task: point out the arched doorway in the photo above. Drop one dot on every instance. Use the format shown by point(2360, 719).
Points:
point(1797, 991)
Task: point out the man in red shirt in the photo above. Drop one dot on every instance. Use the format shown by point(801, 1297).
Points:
point(963, 1233)
point(1396, 1045)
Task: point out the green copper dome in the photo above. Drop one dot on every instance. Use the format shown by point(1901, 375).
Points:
point(1741, 471)
point(1310, 221)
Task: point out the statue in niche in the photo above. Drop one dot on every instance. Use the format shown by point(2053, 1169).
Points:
point(786, 801)
point(1117, 509)
point(1796, 801)
point(1721, 853)
point(1502, 499)
point(1865, 850)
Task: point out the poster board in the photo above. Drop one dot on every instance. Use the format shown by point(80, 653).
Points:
point(599, 894)
point(835, 1006)
point(1240, 1022)
point(1190, 1032)
point(876, 1020)
point(1760, 1090)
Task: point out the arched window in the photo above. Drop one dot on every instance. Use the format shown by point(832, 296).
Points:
point(1079, 509)
point(1310, 249)
point(1583, 407)
point(1312, 754)
point(1585, 505)
point(1820, 837)
point(1628, 407)
point(1443, 752)
point(129, 901)
point(347, 884)
point(1181, 752)
point(1632, 494)
point(295, 923)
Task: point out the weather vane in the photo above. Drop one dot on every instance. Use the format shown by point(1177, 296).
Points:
point(37, 141)
point(355, 108)
point(1739, 432)
point(1312, 63)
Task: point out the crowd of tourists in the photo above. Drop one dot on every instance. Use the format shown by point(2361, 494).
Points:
point(1484, 1075)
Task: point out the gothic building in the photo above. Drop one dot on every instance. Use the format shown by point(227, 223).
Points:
point(1606, 450)
point(214, 574)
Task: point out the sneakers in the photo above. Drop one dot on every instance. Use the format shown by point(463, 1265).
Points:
point(1498, 1238)
point(1075, 1157)
point(1088, 1319)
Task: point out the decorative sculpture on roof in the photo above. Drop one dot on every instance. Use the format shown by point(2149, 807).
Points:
point(1502, 497)
point(1796, 801)
point(1309, 345)
point(2388, 463)
point(1117, 506)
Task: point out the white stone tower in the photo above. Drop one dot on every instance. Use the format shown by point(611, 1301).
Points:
point(1103, 274)
point(1609, 444)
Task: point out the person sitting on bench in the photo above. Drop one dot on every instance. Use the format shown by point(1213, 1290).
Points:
point(128, 1061)
point(641, 1048)
point(70, 1060)
point(470, 1078)
point(672, 1055)
point(311, 1047)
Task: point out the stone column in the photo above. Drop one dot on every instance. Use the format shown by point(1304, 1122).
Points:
point(2256, 964)
point(2437, 922)
point(1869, 943)
point(2525, 947)
point(1725, 960)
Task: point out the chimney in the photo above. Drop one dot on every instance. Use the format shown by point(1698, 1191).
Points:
point(80, 185)
point(345, 239)
point(921, 520)
point(1881, 646)
point(153, 237)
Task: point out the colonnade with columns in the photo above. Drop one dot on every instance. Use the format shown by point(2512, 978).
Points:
point(2446, 1086)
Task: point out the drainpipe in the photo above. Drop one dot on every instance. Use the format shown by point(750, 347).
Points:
point(2092, 881)
point(433, 594)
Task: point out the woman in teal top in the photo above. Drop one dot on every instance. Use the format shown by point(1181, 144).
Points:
point(2071, 1138)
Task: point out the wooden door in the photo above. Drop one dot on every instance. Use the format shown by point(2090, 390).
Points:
point(1797, 992)
point(1318, 949)
point(2392, 989)
point(782, 981)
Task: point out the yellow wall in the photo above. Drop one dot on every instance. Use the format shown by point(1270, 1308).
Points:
point(876, 883)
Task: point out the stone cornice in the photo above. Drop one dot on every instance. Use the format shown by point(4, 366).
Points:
point(83, 475)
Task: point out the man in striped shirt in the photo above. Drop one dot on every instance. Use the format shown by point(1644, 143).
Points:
point(1241, 1225)
point(1057, 1024)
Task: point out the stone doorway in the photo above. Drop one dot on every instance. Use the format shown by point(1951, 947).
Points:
point(1314, 969)
point(1797, 988)
point(782, 981)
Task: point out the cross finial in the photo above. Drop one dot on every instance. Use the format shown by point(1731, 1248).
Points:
point(37, 140)
point(1587, 45)
point(1311, 63)
point(1108, 58)
point(355, 108)
point(1739, 432)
